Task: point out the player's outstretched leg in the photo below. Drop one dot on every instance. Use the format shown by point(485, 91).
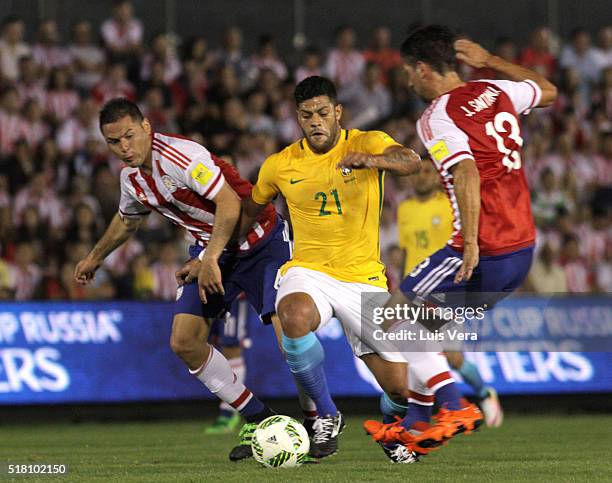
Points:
point(305, 357)
point(209, 366)
point(455, 416)
point(487, 396)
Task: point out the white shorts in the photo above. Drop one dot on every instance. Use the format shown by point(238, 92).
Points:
point(334, 298)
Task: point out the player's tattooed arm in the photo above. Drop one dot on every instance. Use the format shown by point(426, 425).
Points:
point(115, 235)
point(396, 159)
point(467, 191)
point(227, 213)
point(476, 56)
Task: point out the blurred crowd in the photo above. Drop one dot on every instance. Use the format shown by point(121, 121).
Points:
point(59, 185)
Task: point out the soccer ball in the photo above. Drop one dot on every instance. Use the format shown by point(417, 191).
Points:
point(280, 442)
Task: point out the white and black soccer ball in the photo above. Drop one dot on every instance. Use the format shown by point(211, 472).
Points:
point(280, 442)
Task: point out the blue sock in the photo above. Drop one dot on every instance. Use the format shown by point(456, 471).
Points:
point(416, 412)
point(471, 376)
point(255, 411)
point(305, 357)
point(390, 408)
point(448, 397)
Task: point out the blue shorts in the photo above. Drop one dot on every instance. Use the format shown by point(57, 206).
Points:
point(493, 279)
point(232, 330)
point(253, 273)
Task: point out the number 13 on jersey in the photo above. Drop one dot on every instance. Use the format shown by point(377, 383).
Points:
point(496, 128)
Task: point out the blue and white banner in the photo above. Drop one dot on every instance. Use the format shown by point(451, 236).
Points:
point(119, 351)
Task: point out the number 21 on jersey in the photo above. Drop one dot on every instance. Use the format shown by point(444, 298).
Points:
point(322, 196)
point(497, 128)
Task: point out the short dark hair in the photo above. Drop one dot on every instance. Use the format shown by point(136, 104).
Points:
point(434, 46)
point(315, 86)
point(117, 109)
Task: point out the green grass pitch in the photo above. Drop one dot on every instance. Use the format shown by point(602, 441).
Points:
point(527, 448)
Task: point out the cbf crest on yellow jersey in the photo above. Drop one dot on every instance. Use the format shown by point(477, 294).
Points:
point(335, 212)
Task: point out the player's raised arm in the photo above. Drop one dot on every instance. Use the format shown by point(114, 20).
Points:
point(395, 159)
point(476, 56)
point(115, 235)
point(378, 150)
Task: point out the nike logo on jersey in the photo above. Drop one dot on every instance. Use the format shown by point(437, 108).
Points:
point(293, 181)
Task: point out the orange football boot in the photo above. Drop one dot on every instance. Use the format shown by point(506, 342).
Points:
point(448, 424)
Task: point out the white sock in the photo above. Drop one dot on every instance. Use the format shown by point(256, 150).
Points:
point(239, 368)
point(217, 375)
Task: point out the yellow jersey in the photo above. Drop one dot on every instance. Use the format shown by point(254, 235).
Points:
point(335, 213)
point(424, 227)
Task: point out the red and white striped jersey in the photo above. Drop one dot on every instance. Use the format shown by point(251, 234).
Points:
point(11, 129)
point(479, 121)
point(35, 132)
point(52, 56)
point(61, 104)
point(72, 135)
point(118, 35)
point(184, 181)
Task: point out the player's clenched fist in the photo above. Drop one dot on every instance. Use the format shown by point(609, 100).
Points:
point(471, 53)
point(85, 270)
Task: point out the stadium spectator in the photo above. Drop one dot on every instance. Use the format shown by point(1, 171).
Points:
point(381, 53)
point(267, 58)
point(231, 55)
point(345, 63)
point(35, 129)
point(310, 66)
point(581, 56)
point(603, 272)
point(12, 47)
point(30, 84)
point(368, 100)
point(62, 99)
point(548, 199)
point(162, 51)
point(603, 50)
point(546, 275)
point(114, 84)
point(577, 273)
point(11, 122)
point(73, 134)
point(5, 210)
point(122, 34)
point(164, 284)
point(88, 59)
point(38, 193)
point(539, 54)
point(27, 275)
point(47, 51)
